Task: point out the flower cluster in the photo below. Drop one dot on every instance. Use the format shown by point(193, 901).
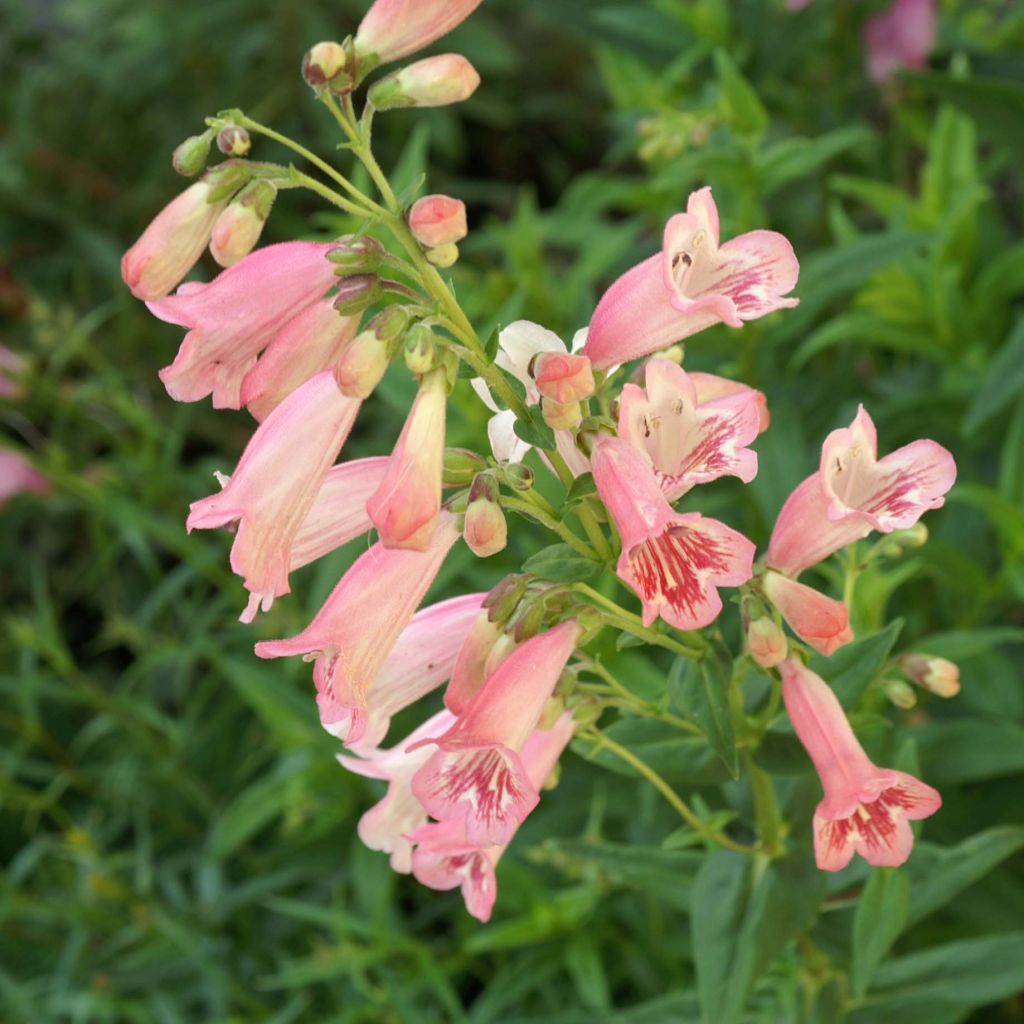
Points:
point(300, 333)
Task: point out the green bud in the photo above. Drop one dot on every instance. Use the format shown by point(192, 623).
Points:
point(190, 157)
point(503, 600)
point(233, 140)
point(356, 293)
point(357, 254)
point(389, 324)
point(226, 179)
point(460, 466)
point(443, 256)
point(420, 349)
point(517, 476)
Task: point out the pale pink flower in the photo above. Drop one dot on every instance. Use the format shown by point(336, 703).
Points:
point(485, 531)
point(236, 315)
point(445, 859)
point(362, 619)
point(433, 82)
point(388, 825)
point(939, 675)
point(470, 670)
point(275, 483)
point(174, 240)
point(18, 476)
point(407, 504)
point(866, 809)
point(686, 442)
point(673, 561)
point(901, 36)
point(421, 660)
point(438, 220)
point(818, 620)
point(766, 642)
point(711, 387)
point(690, 285)
point(477, 774)
point(563, 377)
point(338, 513)
point(310, 342)
point(392, 29)
point(238, 229)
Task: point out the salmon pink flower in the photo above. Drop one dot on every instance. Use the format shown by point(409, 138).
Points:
point(238, 229)
point(711, 387)
point(866, 809)
point(438, 220)
point(686, 442)
point(392, 29)
point(388, 825)
point(421, 660)
point(310, 342)
point(235, 316)
point(170, 246)
point(406, 505)
point(673, 561)
point(274, 486)
point(900, 37)
point(469, 672)
point(477, 775)
point(690, 285)
point(18, 475)
point(433, 82)
point(818, 620)
point(361, 621)
point(562, 377)
point(445, 858)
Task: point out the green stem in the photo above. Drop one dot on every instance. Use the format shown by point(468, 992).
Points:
point(534, 512)
point(766, 808)
point(648, 710)
point(852, 571)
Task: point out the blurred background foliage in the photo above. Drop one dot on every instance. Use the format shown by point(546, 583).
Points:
point(176, 839)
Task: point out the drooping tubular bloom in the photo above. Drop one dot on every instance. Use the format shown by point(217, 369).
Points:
point(444, 857)
point(235, 316)
point(855, 492)
point(691, 284)
point(818, 620)
point(421, 660)
point(407, 504)
point(901, 36)
point(688, 443)
point(477, 776)
point(392, 29)
point(361, 620)
point(673, 561)
point(174, 240)
point(308, 343)
point(388, 825)
point(866, 809)
point(275, 483)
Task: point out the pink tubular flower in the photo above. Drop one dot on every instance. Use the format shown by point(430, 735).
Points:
point(469, 671)
point(818, 620)
point(174, 240)
point(674, 562)
point(690, 285)
point(686, 442)
point(433, 82)
point(406, 505)
point(18, 475)
point(421, 660)
point(310, 342)
point(338, 513)
point(388, 824)
point(238, 229)
point(361, 620)
point(855, 492)
point(438, 220)
point(563, 377)
point(236, 315)
point(274, 486)
point(866, 810)
point(392, 29)
point(445, 859)
point(477, 775)
point(710, 388)
point(900, 37)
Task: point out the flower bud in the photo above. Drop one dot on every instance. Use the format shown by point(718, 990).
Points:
point(356, 293)
point(460, 466)
point(766, 642)
point(437, 220)
point(238, 228)
point(362, 364)
point(590, 429)
point(900, 693)
point(357, 254)
point(443, 256)
point(554, 708)
point(915, 536)
point(562, 377)
point(190, 157)
point(323, 63)
point(559, 416)
point(389, 324)
point(938, 675)
point(485, 532)
point(517, 476)
point(233, 140)
point(433, 82)
point(503, 599)
point(420, 349)
point(227, 178)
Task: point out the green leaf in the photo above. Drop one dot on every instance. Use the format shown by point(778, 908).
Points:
point(583, 960)
point(743, 107)
point(960, 644)
point(699, 690)
point(852, 668)
point(1003, 382)
point(877, 922)
point(792, 159)
point(561, 563)
point(582, 487)
point(969, 750)
point(533, 430)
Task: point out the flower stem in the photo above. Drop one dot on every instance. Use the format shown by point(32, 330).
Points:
point(533, 511)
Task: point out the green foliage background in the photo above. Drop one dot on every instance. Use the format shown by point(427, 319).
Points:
point(177, 841)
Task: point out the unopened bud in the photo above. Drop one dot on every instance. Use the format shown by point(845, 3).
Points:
point(433, 82)
point(190, 157)
point(529, 622)
point(323, 63)
point(357, 254)
point(766, 642)
point(502, 648)
point(900, 693)
point(460, 466)
point(227, 178)
point(915, 536)
point(438, 220)
point(420, 349)
point(587, 712)
point(591, 621)
point(940, 676)
point(362, 365)
point(553, 708)
point(517, 476)
point(233, 140)
point(485, 532)
point(443, 256)
point(562, 377)
point(504, 598)
point(238, 228)
point(559, 416)
point(356, 293)
point(590, 429)
point(389, 324)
